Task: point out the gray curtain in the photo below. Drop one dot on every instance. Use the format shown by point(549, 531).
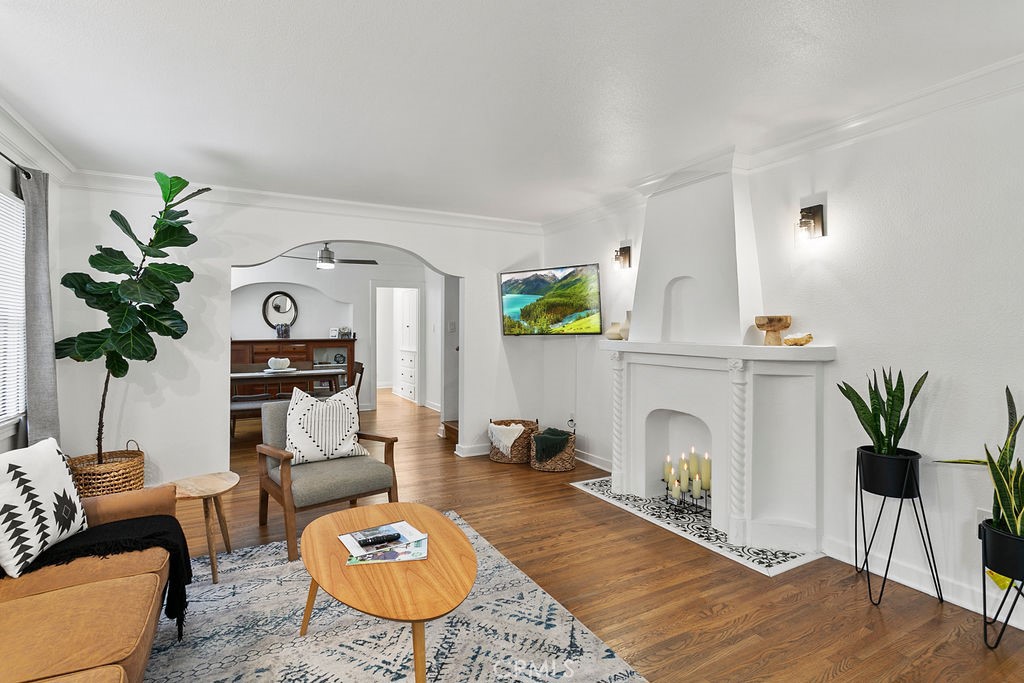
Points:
point(41, 419)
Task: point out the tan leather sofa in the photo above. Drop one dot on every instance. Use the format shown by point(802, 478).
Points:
point(93, 619)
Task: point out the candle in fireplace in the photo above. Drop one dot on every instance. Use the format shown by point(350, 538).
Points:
point(696, 486)
point(705, 471)
point(694, 462)
point(667, 468)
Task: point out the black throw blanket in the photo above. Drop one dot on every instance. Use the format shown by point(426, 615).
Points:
point(124, 536)
point(550, 443)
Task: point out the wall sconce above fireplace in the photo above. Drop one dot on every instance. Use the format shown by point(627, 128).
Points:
point(622, 256)
point(811, 223)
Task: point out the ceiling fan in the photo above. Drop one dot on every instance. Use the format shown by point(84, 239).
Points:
point(325, 259)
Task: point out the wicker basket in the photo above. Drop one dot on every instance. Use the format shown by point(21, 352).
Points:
point(520, 451)
point(564, 461)
point(120, 471)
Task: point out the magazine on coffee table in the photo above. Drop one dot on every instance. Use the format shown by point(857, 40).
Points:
point(417, 550)
point(382, 538)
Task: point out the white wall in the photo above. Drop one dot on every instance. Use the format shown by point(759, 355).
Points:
point(385, 338)
point(433, 322)
point(175, 406)
point(921, 271)
point(577, 376)
point(317, 313)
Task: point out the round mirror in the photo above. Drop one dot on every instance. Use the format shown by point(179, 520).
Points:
point(279, 308)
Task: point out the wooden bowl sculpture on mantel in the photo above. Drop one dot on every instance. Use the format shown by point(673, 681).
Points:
point(772, 326)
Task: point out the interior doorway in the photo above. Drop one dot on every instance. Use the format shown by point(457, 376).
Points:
point(398, 342)
point(433, 311)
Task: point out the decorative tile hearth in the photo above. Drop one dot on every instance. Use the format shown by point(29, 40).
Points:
point(696, 528)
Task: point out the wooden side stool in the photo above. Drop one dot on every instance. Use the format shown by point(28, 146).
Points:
point(210, 487)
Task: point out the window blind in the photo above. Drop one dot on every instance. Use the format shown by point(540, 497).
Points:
point(12, 307)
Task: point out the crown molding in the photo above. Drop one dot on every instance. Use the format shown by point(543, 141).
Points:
point(25, 144)
point(713, 164)
point(982, 85)
point(96, 181)
point(611, 205)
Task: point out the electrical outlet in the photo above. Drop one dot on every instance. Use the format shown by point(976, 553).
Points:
point(983, 514)
point(451, 326)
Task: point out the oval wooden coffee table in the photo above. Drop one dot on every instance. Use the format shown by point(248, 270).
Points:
point(415, 591)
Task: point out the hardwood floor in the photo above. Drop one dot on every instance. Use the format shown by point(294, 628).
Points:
point(672, 609)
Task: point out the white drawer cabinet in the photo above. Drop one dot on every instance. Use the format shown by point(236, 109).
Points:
point(405, 380)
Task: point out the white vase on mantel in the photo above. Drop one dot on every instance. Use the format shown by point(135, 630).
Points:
point(613, 331)
point(624, 327)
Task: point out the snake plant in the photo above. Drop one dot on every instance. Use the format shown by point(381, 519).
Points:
point(883, 417)
point(1007, 476)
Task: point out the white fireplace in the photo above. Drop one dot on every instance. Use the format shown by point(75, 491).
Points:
point(695, 373)
point(757, 410)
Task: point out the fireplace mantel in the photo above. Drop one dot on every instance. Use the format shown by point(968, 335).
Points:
point(726, 351)
point(762, 406)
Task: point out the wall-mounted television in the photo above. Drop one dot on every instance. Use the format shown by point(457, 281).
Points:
point(565, 300)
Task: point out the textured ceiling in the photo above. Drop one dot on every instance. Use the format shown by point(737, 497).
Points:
point(530, 110)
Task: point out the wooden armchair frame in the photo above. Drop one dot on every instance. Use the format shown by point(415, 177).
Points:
point(283, 493)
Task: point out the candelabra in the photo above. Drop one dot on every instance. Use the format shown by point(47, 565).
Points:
point(686, 501)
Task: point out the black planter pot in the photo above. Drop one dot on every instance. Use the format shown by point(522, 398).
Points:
point(1002, 552)
point(895, 476)
point(889, 476)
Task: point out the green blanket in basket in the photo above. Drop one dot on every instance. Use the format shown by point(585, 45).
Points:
point(550, 443)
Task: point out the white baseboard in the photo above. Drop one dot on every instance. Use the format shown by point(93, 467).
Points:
point(467, 451)
point(433, 405)
point(384, 385)
point(595, 460)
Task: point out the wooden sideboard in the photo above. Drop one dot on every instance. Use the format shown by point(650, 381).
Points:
point(320, 353)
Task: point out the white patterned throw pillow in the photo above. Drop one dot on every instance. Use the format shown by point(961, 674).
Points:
point(39, 504)
point(322, 430)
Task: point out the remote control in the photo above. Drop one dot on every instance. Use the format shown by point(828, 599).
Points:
point(383, 538)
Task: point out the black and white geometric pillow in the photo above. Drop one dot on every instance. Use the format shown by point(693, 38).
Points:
point(322, 430)
point(39, 504)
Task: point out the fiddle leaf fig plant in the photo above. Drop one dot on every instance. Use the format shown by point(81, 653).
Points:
point(141, 302)
point(882, 416)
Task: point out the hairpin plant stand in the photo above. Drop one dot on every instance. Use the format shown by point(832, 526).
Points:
point(1004, 555)
point(900, 481)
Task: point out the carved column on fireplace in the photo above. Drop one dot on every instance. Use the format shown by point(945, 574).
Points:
point(738, 451)
point(617, 437)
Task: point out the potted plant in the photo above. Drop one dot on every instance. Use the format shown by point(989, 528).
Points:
point(1002, 535)
point(885, 468)
point(137, 305)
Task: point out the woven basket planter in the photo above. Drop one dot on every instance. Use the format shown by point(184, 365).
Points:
point(564, 461)
point(520, 451)
point(121, 471)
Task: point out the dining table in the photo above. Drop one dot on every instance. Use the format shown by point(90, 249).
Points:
point(298, 373)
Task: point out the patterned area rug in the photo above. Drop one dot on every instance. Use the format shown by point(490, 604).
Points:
point(697, 529)
point(246, 628)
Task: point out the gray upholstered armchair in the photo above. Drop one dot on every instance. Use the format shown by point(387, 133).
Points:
point(311, 484)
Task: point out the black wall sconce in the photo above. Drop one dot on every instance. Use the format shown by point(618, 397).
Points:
point(622, 256)
point(812, 222)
